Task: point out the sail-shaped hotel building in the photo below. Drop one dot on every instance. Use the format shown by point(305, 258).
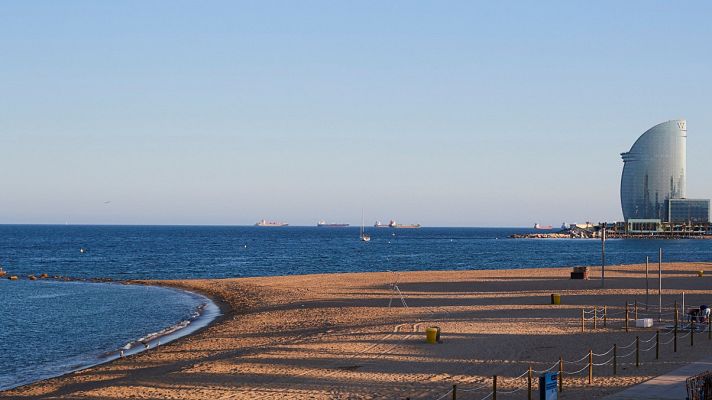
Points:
point(653, 183)
point(654, 171)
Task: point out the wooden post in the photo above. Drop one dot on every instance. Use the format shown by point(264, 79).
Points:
point(626, 316)
point(561, 374)
point(595, 318)
point(637, 351)
point(615, 359)
point(677, 317)
point(454, 392)
point(605, 316)
point(494, 387)
point(692, 332)
point(636, 310)
point(657, 345)
point(529, 383)
point(590, 367)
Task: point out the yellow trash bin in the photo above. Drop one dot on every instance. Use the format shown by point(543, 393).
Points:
point(432, 334)
point(700, 273)
point(555, 298)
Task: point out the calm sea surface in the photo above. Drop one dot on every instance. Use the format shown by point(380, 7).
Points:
point(52, 327)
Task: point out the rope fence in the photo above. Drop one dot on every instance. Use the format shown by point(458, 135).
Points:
point(599, 316)
point(586, 362)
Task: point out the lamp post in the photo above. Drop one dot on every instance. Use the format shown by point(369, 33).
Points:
point(603, 254)
point(660, 284)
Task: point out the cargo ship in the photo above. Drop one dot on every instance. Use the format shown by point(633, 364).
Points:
point(393, 224)
point(325, 224)
point(264, 222)
point(407, 226)
point(543, 227)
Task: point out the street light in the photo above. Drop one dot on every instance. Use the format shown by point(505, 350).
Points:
point(603, 254)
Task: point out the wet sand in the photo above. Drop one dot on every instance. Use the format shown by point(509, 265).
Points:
point(335, 336)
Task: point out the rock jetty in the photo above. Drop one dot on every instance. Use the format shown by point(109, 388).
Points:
point(555, 235)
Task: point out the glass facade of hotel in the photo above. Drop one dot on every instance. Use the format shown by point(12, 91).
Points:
point(654, 171)
point(688, 210)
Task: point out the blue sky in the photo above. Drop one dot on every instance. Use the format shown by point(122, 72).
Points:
point(444, 113)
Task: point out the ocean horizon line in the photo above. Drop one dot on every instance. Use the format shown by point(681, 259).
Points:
point(283, 227)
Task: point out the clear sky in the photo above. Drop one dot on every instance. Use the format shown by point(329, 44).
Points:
point(443, 113)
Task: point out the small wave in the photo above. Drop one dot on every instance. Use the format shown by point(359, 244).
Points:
point(155, 336)
point(47, 296)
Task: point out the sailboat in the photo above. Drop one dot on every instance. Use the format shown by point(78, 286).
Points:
point(363, 235)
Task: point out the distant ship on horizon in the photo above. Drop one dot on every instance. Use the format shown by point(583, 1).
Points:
point(264, 222)
point(543, 227)
point(393, 224)
point(323, 223)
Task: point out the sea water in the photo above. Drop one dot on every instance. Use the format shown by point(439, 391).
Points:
point(51, 327)
point(48, 328)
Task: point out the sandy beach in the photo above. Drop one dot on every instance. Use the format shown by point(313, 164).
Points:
point(335, 336)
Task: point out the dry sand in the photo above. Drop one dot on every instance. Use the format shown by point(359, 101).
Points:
point(334, 336)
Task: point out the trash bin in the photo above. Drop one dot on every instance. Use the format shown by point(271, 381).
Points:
point(432, 334)
point(555, 298)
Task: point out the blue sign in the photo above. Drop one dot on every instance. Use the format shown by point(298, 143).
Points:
point(548, 386)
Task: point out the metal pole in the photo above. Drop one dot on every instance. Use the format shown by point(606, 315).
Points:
point(615, 359)
point(582, 321)
point(595, 317)
point(626, 316)
point(684, 311)
point(660, 284)
point(657, 345)
point(647, 285)
point(590, 367)
point(454, 392)
point(605, 317)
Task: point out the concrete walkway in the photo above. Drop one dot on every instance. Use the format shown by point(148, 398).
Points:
point(670, 386)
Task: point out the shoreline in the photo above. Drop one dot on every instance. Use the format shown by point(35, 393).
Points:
point(331, 335)
point(207, 313)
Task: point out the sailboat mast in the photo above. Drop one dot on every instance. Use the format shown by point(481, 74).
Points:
point(362, 222)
